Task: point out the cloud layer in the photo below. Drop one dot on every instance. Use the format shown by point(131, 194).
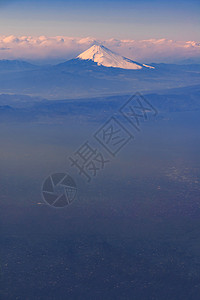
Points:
point(62, 48)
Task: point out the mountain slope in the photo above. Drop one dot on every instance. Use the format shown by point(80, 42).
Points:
point(105, 57)
point(15, 65)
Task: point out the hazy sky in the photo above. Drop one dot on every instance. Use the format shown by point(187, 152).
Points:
point(136, 19)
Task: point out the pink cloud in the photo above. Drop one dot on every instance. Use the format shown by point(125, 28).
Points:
point(63, 48)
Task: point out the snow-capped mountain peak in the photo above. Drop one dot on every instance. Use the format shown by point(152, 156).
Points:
point(105, 57)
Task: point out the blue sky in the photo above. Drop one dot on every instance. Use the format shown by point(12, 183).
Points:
point(139, 19)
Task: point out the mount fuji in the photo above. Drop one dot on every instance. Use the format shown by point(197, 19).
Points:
point(107, 58)
point(96, 72)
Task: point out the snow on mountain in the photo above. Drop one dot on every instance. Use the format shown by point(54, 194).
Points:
point(105, 57)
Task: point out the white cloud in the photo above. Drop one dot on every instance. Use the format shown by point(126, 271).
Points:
point(63, 48)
